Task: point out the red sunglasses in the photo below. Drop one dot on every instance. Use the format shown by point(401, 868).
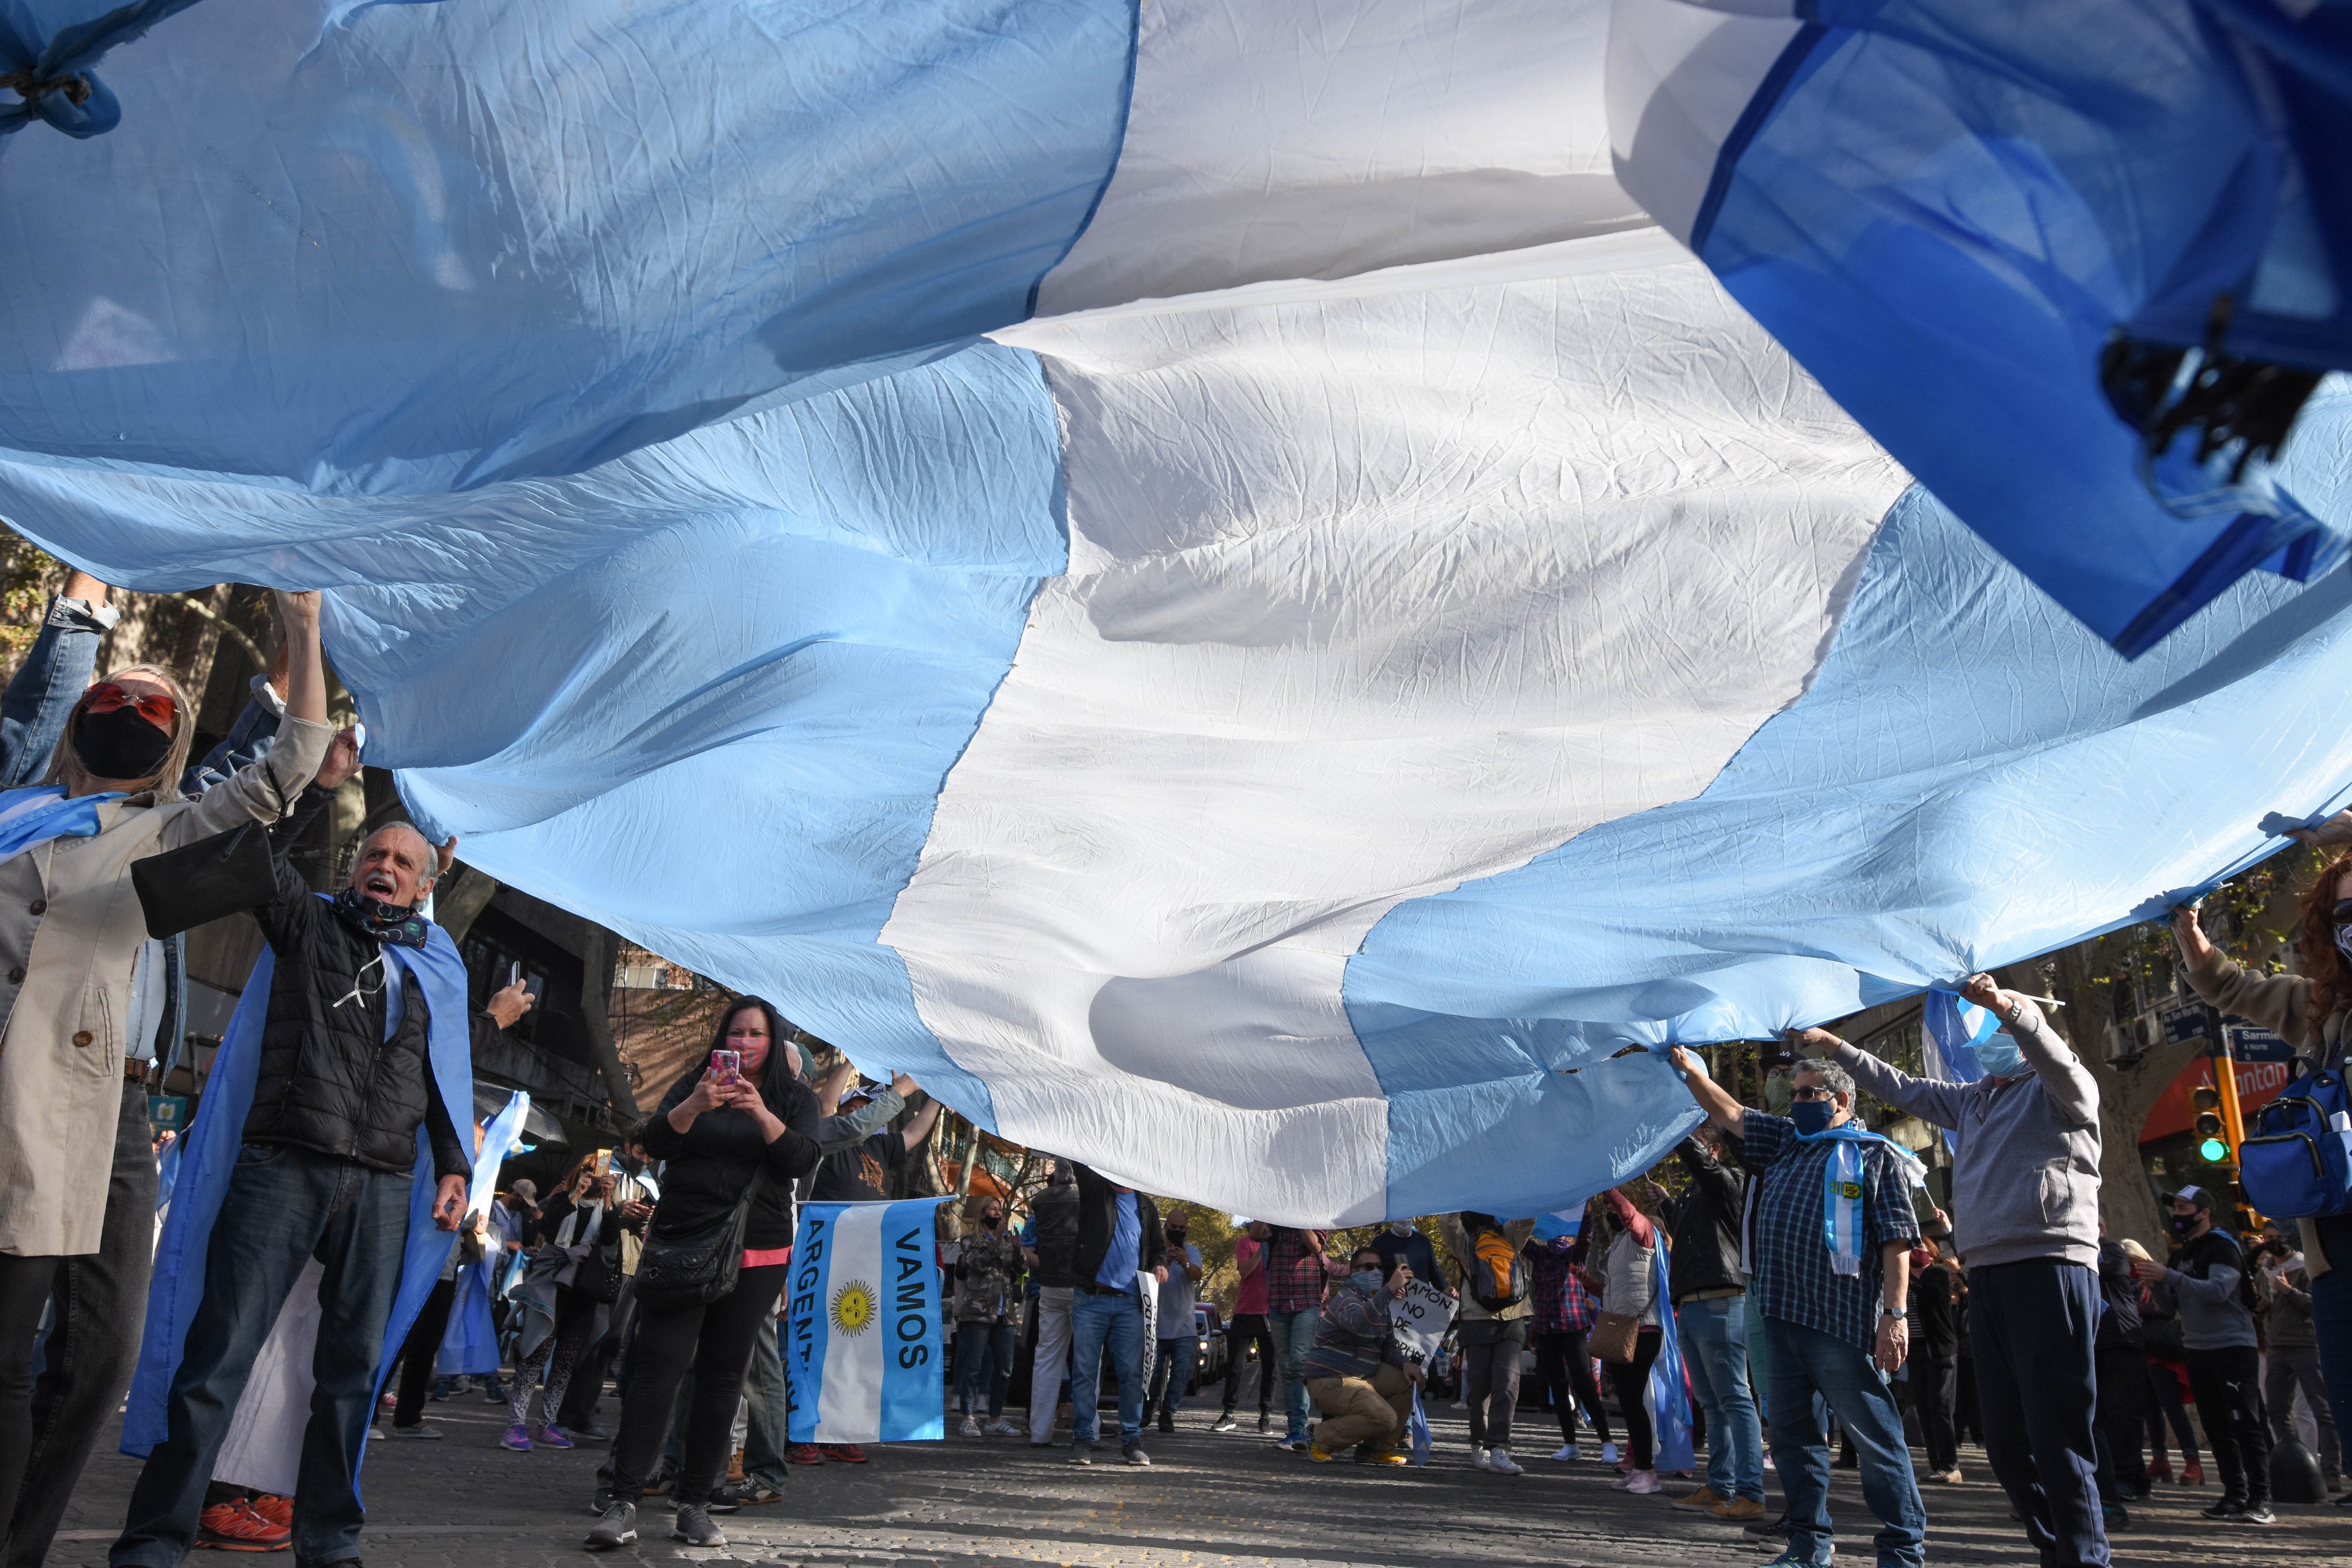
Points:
point(155, 707)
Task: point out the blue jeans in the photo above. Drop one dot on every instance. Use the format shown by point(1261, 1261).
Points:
point(984, 1350)
point(1172, 1374)
point(282, 1206)
point(1294, 1336)
point(1713, 1336)
point(1806, 1361)
point(1109, 1324)
point(2331, 1316)
point(768, 1435)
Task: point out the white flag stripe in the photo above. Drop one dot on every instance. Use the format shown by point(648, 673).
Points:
point(849, 1403)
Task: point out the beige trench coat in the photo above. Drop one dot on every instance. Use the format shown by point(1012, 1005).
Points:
point(70, 931)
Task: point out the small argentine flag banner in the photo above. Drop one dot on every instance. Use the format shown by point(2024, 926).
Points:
point(862, 1338)
point(1955, 1028)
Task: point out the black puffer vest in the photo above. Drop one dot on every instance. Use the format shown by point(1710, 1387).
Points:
point(328, 1080)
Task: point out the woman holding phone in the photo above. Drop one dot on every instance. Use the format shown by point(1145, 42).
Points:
point(736, 1130)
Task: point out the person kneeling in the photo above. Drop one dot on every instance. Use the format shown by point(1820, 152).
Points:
point(1355, 1373)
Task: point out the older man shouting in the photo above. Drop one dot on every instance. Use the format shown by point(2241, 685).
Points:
point(334, 1121)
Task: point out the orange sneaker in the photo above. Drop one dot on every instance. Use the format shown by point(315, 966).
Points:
point(278, 1511)
point(235, 1527)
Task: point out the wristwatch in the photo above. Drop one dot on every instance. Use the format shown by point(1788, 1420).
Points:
point(1894, 1312)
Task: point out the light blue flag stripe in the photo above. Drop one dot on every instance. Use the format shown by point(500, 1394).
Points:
point(914, 1373)
point(807, 1335)
point(605, 225)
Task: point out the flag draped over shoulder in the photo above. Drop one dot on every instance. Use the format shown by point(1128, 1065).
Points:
point(207, 1164)
point(863, 1342)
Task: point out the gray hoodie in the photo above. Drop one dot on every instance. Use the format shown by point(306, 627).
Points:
point(2025, 1173)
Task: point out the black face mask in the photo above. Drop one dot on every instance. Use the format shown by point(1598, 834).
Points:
point(387, 922)
point(120, 745)
point(2182, 1224)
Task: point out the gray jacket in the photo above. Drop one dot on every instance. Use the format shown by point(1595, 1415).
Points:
point(2025, 1176)
point(2287, 1318)
point(2204, 1274)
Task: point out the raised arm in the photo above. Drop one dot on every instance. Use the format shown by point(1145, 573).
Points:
point(55, 672)
point(920, 1126)
point(1713, 1098)
point(2279, 1002)
point(1923, 1098)
point(2064, 1079)
point(267, 789)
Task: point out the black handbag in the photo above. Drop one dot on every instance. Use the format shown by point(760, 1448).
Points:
point(597, 1276)
point(700, 1266)
point(183, 888)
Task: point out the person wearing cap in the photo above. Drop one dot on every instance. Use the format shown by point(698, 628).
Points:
point(2025, 1186)
point(2206, 1276)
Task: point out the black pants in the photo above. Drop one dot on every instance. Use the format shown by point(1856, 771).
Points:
point(2031, 1325)
point(1242, 1330)
point(1564, 1367)
point(715, 1343)
point(419, 1351)
point(1631, 1379)
point(2228, 1386)
point(587, 1384)
point(47, 1429)
point(1936, 1394)
point(2122, 1422)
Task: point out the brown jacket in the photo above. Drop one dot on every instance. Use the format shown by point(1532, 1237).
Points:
point(2281, 1003)
point(70, 931)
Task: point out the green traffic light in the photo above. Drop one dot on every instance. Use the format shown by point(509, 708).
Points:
point(2212, 1151)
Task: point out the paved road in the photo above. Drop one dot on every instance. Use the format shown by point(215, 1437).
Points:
point(1207, 1499)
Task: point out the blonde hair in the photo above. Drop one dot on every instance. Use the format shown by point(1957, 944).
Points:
point(165, 783)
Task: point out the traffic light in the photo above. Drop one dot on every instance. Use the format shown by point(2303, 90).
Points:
point(2212, 1146)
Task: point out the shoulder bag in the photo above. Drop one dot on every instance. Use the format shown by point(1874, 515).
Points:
point(1612, 1336)
point(697, 1266)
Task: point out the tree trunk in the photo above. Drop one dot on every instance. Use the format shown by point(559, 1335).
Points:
point(598, 959)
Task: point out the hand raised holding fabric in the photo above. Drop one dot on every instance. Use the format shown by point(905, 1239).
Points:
point(1812, 1044)
point(2333, 833)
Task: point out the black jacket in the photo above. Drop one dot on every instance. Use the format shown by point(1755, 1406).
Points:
point(1054, 1214)
point(1098, 1222)
point(2119, 1326)
point(328, 1080)
point(1936, 1297)
point(1706, 1225)
point(713, 1162)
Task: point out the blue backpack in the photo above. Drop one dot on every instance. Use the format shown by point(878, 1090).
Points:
point(2296, 1160)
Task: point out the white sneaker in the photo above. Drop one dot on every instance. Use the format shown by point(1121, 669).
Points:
point(1003, 1428)
point(1480, 1459)
point(1608, 1453)
point(1567, 1451)
point(1499, 1461)
point(970, 1427)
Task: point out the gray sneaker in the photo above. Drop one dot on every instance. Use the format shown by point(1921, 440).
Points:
point(617, 1526)
point(695, 1526)
point(1082, 1452)
point(1225, 1423)
point(1133, 1454)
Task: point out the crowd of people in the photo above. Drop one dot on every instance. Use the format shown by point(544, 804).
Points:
point(1796, 1272)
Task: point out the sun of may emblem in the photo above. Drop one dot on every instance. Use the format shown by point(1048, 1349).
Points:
point(853, 1308)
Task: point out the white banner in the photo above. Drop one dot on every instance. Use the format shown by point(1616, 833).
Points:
point(1421, 1316)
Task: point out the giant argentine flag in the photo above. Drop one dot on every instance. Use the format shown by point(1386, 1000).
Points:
point(863, 1343)
point(1200, 579)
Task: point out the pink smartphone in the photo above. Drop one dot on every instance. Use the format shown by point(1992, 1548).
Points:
point(727, 1067)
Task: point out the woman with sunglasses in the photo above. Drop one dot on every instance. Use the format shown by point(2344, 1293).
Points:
point(2311, 1012)
point(80, 991)
point(738, 1130)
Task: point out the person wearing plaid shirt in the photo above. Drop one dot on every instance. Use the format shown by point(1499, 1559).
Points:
point(1564, 1314)
point(1834, 1324)
point(1296, 1272)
